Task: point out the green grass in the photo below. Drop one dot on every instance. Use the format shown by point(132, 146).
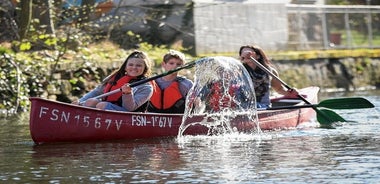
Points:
point(315, 54)
point(359, 39)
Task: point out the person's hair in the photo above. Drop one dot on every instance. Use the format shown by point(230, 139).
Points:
point(263, 59)
point(117, 74)
point(174, 54)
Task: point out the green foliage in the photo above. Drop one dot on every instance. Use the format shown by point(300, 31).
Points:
point(30, 71)
point(14, 87)
point(4, 50)
point(336, 2)
point(25, 46)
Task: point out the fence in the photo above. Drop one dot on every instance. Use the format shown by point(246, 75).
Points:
point(333, 27)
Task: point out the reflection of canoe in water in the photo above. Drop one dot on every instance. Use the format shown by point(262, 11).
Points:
point(52, 121)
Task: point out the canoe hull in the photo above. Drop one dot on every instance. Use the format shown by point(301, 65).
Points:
point(52, 121)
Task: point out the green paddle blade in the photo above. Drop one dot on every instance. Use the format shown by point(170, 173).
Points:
point(346, 103)
point(327, 117)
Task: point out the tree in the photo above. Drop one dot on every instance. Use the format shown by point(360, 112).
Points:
point(43, 11)
point(24, 16)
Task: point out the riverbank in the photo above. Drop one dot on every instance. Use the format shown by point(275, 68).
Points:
point(347, 74)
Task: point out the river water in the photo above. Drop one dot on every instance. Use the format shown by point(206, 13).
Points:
point(350, 153)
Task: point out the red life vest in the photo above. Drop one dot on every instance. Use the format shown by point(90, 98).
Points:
point(166, 100)
point(115, 98)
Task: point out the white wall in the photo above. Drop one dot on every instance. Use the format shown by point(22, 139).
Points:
point(224, 27)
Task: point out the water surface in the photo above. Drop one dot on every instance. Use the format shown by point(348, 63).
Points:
point(350, 153)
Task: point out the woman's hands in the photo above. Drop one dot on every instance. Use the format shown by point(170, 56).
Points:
point(126, 89)
point(292, 92)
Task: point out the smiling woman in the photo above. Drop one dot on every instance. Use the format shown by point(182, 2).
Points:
point(135, 68)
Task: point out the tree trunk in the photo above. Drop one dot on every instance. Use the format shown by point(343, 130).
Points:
point(43, 11)
point(25, 17)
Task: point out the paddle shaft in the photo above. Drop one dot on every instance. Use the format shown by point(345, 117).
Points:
point(288, 107)
point(293, 107)
point(277, 78)
point(189, 65)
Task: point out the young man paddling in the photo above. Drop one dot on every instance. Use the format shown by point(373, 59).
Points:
point(170, 91)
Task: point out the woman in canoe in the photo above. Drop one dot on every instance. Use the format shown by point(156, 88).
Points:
point(136, 67)
point(169, 94)
point(262, 81)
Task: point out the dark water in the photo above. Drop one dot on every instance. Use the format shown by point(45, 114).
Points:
point(348, 154)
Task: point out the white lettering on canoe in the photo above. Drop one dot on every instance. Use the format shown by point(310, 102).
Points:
point(118, 124)
point(154, 119)
point(56, 115)
point(86, 121)
point(109, 122)
point(165, 121)
point(43, 111)
point(77, 117)
point(65, 117)
point(138, 120)
point(160, 121)
point(96, 121)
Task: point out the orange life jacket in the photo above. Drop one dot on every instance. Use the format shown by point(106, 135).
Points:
point(116, 97)
point(169, 100)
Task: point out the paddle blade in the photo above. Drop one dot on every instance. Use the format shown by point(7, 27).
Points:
point(327, 117)
point(346, 103)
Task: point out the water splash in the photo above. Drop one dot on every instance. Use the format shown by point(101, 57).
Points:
point(222, 99)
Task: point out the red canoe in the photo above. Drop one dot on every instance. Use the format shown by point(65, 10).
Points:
point(52, 121)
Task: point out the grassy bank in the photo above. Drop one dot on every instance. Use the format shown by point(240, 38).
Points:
point(314, 54)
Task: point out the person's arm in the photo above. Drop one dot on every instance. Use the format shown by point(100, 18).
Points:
point(93, 93)
point(185, 86)
point(281, 89)
point(138, 96)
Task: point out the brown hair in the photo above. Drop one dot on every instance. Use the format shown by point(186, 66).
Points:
point(174, 54)
point(263, 59)
point(117, 74)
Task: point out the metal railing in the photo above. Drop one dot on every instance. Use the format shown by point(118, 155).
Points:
point(333, 27)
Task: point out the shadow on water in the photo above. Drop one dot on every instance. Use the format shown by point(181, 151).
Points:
point(151, 151)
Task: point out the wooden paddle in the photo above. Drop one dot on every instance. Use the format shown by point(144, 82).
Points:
point(337, 103)
point(324, 116)
point(188, 65)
